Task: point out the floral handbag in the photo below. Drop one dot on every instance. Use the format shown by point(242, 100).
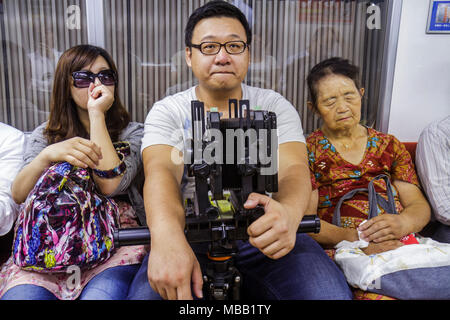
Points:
point(65, 222)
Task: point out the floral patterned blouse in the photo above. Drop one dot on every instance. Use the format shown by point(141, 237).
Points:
point(333, 176)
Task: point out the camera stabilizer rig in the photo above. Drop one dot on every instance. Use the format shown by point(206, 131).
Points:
point(216, 213)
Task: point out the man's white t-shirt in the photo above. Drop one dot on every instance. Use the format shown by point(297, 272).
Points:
point(169, 120)
point(173, 113)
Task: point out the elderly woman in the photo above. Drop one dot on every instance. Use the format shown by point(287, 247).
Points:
point(345, 155)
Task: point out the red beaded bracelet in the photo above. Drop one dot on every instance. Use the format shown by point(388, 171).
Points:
point(123, 149)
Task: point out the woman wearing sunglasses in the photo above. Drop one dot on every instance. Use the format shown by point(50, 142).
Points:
point(86, 117)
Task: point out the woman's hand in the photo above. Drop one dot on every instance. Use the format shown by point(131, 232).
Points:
point(384, 227)
point(101, 97)
point(414, 216)
point(375, 248)
point(76, 151)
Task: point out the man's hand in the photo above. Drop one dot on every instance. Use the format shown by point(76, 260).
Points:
point(171, 267)
point(172, 264)
point(274, 233)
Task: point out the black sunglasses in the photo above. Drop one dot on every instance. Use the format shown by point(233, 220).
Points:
point(82, 79)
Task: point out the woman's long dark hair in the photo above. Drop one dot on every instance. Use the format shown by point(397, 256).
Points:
point(64, 122)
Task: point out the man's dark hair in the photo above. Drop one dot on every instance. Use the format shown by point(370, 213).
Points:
point(328, 67)
point(214, 9)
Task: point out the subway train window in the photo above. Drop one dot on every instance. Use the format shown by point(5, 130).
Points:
point(146, 39)
point(33, 34)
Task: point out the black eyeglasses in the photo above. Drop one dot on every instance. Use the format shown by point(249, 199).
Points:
point(82, 79)
point(212, 48)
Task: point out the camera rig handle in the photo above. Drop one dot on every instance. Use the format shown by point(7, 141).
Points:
point(199, 231)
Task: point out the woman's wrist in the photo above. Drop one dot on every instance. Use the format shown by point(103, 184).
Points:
point(117, 171)
point(351, 235)
point(407, 224)
point(122, 149)
point(96, 115)
point(44, 159)
point(98, 131)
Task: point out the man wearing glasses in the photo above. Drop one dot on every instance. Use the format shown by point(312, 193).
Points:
point(276, 263)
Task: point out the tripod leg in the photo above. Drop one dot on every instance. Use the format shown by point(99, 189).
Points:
point(222, 281)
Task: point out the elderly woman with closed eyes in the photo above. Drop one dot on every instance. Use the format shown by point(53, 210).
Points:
point(345, 155)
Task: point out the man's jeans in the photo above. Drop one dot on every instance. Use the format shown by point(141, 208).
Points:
point(111, 284)
point(305, 273)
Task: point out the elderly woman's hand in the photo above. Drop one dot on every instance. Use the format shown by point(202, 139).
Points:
point(384, 227)
point(375, 248)
point(415, 215)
